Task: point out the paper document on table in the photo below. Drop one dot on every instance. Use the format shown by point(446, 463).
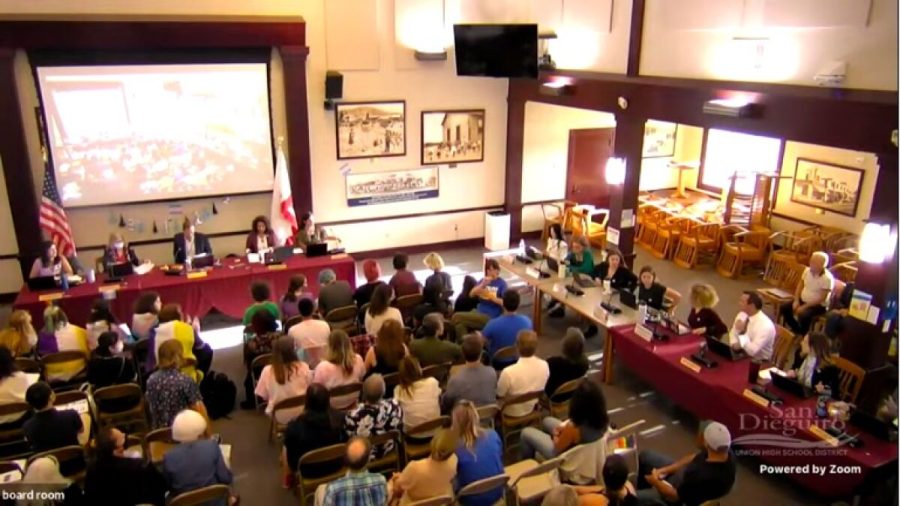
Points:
point(226, 454)
point(79, 407)
point(144, 268)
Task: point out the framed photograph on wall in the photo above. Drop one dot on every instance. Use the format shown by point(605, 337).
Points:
point(452, 136)
point(659, 138)
point(370, 129)
point(373, 188)
point(827, 186)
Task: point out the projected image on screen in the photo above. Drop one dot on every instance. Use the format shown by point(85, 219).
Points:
point(152, 132)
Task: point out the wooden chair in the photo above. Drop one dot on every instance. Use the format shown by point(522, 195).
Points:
point(561, 397)
point(29, 365)
point(112, 407)
point(700, 240)
point(417, 440)
point(343, 318)
point(553, 215)
point(850, 379)
point(795, 246)
point(505, 356)
point(291, 322)
point(346, 390)
point(512, 425)
point(156, 443)
point(584, 223)
point(72, 461)
point(443, 500)
point(784, 276)
point(276, 429)
point(530, 481)
point(650, 221)
point(440, 372)
point(784, 347)
point(844, 271)
point(407, 305)
point(746, 247)
point(212, 494)
point(487, 414)
point(256, 366)
point(12, 440)
point(482, 486)
point(668, 235)
point(68, 360)
point(390, 462)
point(334, 454)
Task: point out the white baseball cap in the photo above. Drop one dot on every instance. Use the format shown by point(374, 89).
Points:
point(717, 436)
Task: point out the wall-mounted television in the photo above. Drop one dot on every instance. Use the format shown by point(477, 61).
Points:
point(496, 50)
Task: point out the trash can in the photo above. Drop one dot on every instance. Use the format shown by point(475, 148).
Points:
point(496, 230)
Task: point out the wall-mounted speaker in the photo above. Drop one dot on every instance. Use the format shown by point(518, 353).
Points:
point(334, 88)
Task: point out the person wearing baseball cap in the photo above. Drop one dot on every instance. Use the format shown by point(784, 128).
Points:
point(693, 479)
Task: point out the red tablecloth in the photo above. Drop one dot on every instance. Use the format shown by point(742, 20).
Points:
point(718, 394)
point(225, 287)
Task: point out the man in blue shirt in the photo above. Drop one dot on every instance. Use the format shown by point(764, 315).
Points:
point(359, 487)
point(502, 331)
point(490, 294)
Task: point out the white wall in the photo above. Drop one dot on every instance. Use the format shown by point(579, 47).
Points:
point(694, 39)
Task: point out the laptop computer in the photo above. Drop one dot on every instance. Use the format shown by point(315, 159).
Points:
point(724, 349)
point(552, 265)
point(873, 425)
point(118, 271)
point(792, 386)
point(628, 298)
point(317, 249)
point(280, 254)
point(203, 261)
point(533, 253)
point(42, 283)
point(584, 281)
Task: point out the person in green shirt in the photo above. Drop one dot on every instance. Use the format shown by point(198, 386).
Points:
point(580, 259)
point(261, 294)
point(431, 349)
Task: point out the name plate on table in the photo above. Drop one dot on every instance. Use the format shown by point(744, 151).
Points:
point(277, 267)
point(339, 256)
point(753, 396)
point(820, 433)
point(690, 364)
point(534, 273)
point(601, 314)
point(109, 288)
point(197, 275)
point(47, 297)
point(643, 332)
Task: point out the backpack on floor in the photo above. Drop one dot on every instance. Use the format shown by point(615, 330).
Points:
point(219, 394)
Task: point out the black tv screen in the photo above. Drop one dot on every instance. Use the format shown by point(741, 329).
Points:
point(496, 50)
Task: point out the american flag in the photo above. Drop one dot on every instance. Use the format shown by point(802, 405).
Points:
point(53, 217)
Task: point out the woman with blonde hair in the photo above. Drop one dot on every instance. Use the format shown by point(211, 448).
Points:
point(428, 477)
point(341, 366)
point(119, 252)
point(703, 319)
point(19, 337)
point(418, 395)
point(60, 335)
point(435, 262)
point(479, 452)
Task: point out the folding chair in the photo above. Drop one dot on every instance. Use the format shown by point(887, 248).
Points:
point(79, 401)
point(343, 318)
point(443, 500)
point(276, 429)
point(440, 372)
point(390, 462)
point(531, 480)
point(407, 305)
point(29, 365)
point(156, 443)
point(511, 425)
point(482, 486)
point(348, 390)
point(12, 441)
point(562, 397)
point(306, 487)
point(212, 494)
point(291, 322)
point(487, 415)
point(504, 357)
point(256, 366)
point(59, 365)
point(417, 440)
point(122, 406)
point(72, 461)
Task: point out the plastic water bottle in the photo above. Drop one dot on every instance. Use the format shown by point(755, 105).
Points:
point(642, 313)
point(521, 246)
point(64, 281)
point(822, 402)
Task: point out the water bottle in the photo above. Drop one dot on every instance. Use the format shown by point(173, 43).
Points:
point(521, 246)
point(64, 281)
point(90, 276)
point(822, 402)
point(642, 313)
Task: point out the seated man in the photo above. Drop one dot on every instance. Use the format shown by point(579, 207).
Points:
point(49, 428)
point(311, 334)
point(489, 293)
point(430, 349)
point(752, 330)
point(811, 297)
point(197, 460)
point(359, 486)
point(474, 382)
point(189, 243)
point(693, 479)
point(376, 415)
point(503, 330)
point(333, 293)
point(529, 374)
point(404, 282)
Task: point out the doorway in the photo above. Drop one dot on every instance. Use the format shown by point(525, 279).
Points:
point(589, 149)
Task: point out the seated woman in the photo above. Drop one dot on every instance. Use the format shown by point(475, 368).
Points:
point(614, 270)
point(146, 315)
point(572, 364)
point(341, 366)
point(432, 302)
point(60, 335)
point(114, 478)
point(479, 453)
point(703, 319)
point(309, 233)
point(119, 252)
point(313, 429)
point(380, 310)
point(19, 337)
point(13, 384)
point(389, 349)
point(197, 460)
point(435, 262)
point(372, 273)
point(108, 366)
point(817, 369)
point(169, 391)
point(587, 423)
point(464, 301)
point(419, 396)
point(50, 263)
point(261, 239)
point(171, 327)
point(102, 320)
point(263, 332)
point(580, 259)
point(287, 376)
point(292, 296)
point(262, 296)
point(616, 489)
point(655, 294)
point(428, 477)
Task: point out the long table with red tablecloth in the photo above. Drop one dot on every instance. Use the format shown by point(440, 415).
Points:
point(225, 287)
point(718, 394)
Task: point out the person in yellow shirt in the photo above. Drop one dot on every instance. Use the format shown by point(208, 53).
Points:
point(19, 337)
point(60, 335)
point(172, 327)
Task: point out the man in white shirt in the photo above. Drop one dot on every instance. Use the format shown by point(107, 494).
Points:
point(529, 374)
point(310, 335)
point(811, 297)
point(752, 330)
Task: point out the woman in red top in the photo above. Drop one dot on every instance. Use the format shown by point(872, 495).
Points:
point(702, 319)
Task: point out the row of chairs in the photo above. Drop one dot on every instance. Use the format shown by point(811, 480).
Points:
point(347, 318)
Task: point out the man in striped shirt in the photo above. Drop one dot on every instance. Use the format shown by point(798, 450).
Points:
point(359, 487)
